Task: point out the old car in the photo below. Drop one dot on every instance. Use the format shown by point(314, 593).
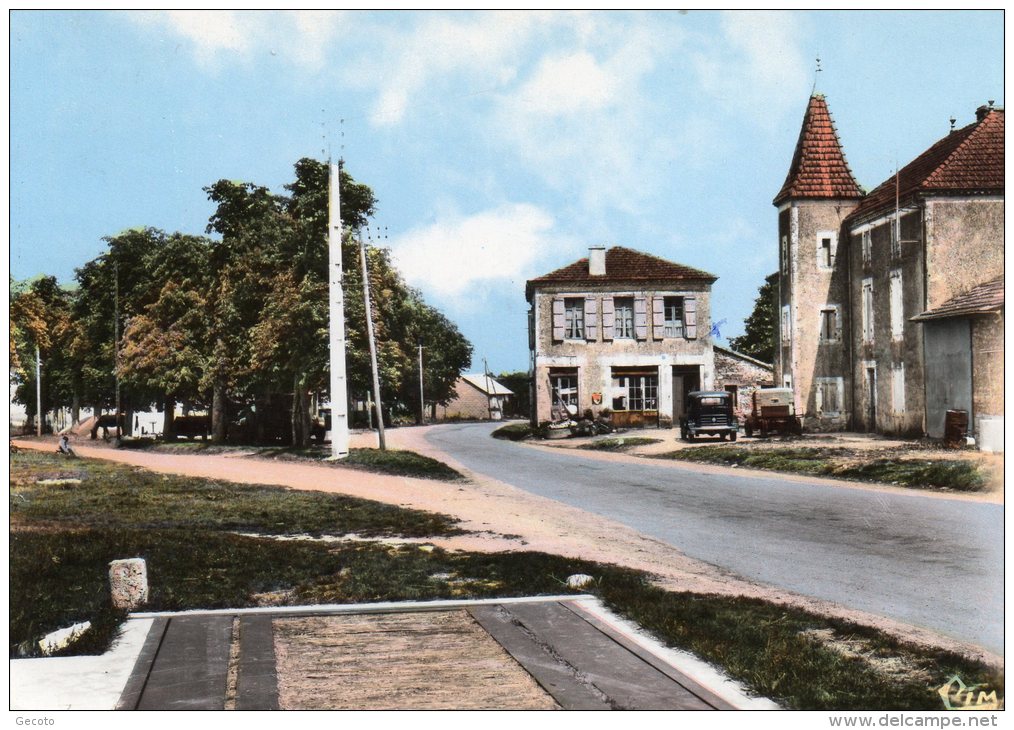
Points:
point(773, 411)
point(709, 413)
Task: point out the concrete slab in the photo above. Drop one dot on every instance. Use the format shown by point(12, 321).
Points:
point(81, 682)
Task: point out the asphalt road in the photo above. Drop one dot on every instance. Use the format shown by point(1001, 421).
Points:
point(931, 562)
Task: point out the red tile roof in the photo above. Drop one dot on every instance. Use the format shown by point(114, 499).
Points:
point(819, 169)
point(968, 160)
point(623, 265)
point(982, 299)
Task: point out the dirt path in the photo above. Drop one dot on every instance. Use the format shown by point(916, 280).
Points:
point(502, 517)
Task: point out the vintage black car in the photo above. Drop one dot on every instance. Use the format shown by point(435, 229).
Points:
point(709, 413)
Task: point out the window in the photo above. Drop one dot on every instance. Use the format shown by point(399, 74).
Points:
point(674, 316)
point(635, 392)
point(573, 328)
point(898, 387)
point(829, 331)
point(785, 255)
point(897, 306)
point(829, 392)
point(826, 245)
point(896, 238)
point(624, 322)
point(786, 325)
point(564, 391)
point(867, 247)
point(867, 304)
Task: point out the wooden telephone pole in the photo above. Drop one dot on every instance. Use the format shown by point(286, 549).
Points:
point(373, 345)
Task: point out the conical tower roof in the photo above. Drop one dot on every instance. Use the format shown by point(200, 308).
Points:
point(819, 169)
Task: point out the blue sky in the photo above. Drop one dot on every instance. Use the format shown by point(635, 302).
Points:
point(499, 145)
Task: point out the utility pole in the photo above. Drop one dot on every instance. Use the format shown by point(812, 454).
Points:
point(422, 399)
point(116, 344)
point(38, 392)
point(489, 397)
point(373, 345)
point(336, 317)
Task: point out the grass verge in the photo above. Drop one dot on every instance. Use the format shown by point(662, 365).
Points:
point(619, 444)
point(513, 432)
point(392, 461)
point(59, 559)
point(955, 474)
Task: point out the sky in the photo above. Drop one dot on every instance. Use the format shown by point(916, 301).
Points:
point(499, 145)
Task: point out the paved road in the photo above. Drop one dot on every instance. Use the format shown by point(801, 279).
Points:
point(936, 563)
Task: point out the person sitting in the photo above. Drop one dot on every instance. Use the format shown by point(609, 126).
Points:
point(64, 446)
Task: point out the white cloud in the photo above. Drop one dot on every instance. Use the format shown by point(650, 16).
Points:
point(569, 84)
point(757, 64)
point(298, 36)
point(484, 47)
point(467, 254)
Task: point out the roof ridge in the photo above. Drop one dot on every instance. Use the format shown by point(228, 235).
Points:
point(976, 128)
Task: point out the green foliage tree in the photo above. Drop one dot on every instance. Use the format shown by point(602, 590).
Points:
point(758, 340)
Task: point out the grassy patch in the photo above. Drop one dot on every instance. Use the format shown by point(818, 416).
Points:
point(802, 660)
point(619, 444)
point(112, 495)
point(513, 432)
point(396, 462)
point(954, 474)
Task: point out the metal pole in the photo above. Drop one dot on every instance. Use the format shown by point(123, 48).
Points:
point(489, 401)
point(336, 318)
point(373, 345)
point(422, 398)
point(38, 392)
point(116, 344)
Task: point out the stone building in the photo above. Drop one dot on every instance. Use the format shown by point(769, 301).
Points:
point(477, 397)
point(860, 274)
point(621, 330)
point(741, 375)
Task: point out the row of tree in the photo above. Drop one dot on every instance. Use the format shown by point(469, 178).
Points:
point(236, 324)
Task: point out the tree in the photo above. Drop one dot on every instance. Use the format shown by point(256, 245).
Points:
point(758, 340)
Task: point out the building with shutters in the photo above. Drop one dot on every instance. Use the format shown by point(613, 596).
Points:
point(620, 330)
point(891, 302)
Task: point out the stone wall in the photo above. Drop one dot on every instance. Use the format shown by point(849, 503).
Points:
point(987, 365)
point(732, 369)
point(468, 403)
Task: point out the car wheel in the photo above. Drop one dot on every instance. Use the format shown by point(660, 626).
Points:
point(732, 436)
point(690, 436)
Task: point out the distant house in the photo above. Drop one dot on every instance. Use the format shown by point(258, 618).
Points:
point(476, 397)
point(741, 375)
point(620, 330)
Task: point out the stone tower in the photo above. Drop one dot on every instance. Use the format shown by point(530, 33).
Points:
point(811, 352)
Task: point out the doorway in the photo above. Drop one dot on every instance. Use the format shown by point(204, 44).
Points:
point(871, 399)
point(685, 380)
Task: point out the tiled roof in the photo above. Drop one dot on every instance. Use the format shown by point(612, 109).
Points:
point(983, 299)
point(968, 160)
point(819, 169)
point(623, 265)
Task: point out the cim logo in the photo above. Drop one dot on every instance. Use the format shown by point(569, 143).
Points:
point(957, 696)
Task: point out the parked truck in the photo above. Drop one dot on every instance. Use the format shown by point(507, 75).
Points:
point(773, 411)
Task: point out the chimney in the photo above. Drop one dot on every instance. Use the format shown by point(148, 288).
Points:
point(597, 261)
point(983, 110)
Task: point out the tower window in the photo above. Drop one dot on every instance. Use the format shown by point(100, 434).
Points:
point(826, 244)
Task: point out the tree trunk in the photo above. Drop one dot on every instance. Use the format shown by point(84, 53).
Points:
point(218, 413)
point(306, 426)
point(296, 420)
point(75, 408)
point(168, 419)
